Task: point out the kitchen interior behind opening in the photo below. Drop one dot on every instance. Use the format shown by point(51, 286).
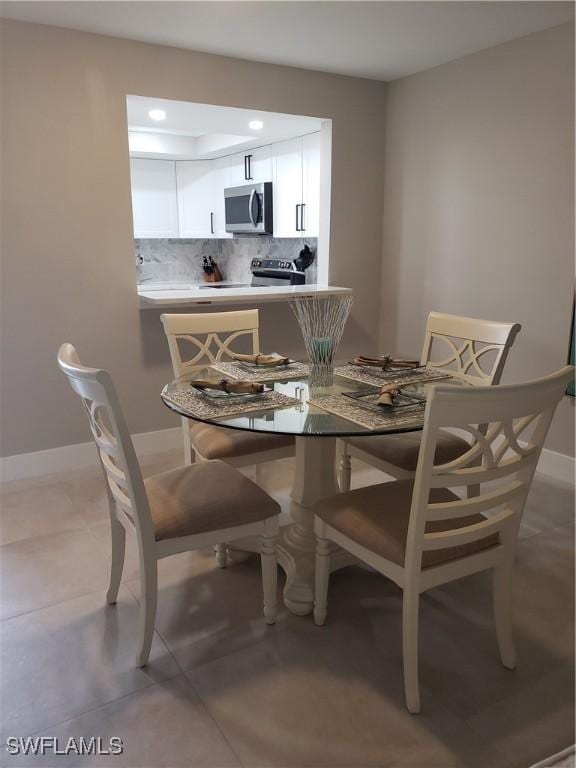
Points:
point(227, 197)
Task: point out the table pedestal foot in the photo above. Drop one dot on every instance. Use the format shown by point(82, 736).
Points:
point(315, 479)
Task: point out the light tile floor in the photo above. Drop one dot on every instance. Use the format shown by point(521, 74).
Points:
point(222, 689)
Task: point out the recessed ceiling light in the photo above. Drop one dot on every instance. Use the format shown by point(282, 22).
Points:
point(256, 125)
point(157, 114)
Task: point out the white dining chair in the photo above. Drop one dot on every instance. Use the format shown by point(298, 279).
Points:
point(211, 338)
point(467, 348)
point(176, 511)
point(420, 534)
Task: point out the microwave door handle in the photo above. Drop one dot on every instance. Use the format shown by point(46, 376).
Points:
point(250, 206)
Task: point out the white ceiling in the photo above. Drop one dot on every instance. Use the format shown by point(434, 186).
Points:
point(381, 40)
point(189, 119)
point(205, 130)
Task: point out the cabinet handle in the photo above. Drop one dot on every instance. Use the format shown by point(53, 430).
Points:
point(297, 219)
point(302, 207)
point(249, 158)
point(212, 222)
point(246, 167)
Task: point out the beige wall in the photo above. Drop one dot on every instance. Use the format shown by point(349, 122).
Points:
point(67, 263)
point(479, 203)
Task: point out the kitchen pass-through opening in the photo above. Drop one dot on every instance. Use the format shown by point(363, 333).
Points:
point(225, 196)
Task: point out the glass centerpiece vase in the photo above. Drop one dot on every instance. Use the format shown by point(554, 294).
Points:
point(322, 320)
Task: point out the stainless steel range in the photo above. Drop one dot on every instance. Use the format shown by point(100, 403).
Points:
point(275, 272)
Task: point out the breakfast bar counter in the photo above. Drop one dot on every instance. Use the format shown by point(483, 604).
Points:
point(159, 295)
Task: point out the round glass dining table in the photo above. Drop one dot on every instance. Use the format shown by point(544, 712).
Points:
point(315, 432)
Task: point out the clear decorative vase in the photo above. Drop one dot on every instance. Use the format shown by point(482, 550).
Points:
point(322, 320)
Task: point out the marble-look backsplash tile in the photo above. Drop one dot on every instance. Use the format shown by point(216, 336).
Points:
point(180, 260)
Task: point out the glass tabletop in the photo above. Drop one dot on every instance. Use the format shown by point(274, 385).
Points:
point(301, 418)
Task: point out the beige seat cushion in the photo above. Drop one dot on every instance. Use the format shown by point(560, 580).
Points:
point(377, 518)
point(207, 496)
point(402, 450)
point(223, 443)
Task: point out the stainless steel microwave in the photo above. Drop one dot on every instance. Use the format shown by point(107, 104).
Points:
point(249, 208)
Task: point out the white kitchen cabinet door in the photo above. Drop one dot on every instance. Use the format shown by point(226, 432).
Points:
point(259, 164)
point(238, 169)
point(251, 166)
point(310, 219)
point(221, 174)
point(196, 197)
point(154, 206)
point(287, 188)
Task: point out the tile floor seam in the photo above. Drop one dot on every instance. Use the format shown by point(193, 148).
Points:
point(52, 605)
point(212, 719)
point(99, 706)
point(196, 665)
point(547, 531)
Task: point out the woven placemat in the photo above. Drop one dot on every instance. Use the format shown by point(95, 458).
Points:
point(377, 377)
point(346, 408)
point(276, 373)
point(203, 407)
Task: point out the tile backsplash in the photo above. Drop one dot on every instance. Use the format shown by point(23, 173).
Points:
point(180, 260)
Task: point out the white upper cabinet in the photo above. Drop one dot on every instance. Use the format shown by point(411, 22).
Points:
point(310, 218)
point(222, 175)
point(238, 169)
point(251, 166)
point(154, 206)
point(196, 196)
point(260, 164)
point(296, 165)
point(185, 198)
point(287, 190)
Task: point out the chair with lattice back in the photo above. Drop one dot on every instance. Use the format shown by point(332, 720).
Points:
point(176, 511)
point(212, 337)
point(470, 350)
point(420, 534)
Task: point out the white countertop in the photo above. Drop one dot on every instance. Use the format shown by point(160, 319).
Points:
point(153, 295)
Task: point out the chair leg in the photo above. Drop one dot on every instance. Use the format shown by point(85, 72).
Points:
point(221, 555)
point(502, 589)
point(148, 600)
point(189, 454)
point(322, 577)
point(269, 558)
point(118, 535)
point(410, 606)
point(345, 473)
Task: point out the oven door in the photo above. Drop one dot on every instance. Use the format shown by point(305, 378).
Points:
point(249, 208)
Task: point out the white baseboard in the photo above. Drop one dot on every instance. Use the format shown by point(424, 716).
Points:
point(81, 456)
point(558, 466)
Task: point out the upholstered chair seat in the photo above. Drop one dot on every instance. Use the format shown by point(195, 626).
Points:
point(226, 444)
point(402, 450)
point(377, 517)
point(207, 496)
